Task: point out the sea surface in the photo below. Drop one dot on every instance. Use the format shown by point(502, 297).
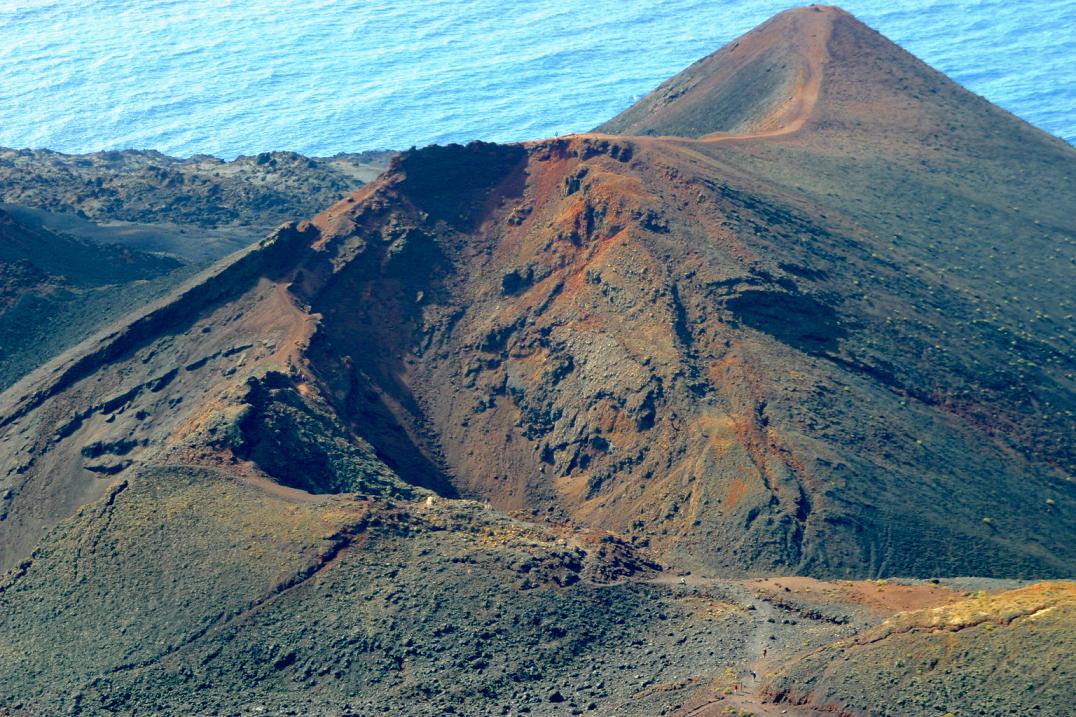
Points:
point(230, 77)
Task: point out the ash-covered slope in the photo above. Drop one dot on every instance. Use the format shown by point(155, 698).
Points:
point(55, 288)
point(77, 263)
point(188, 526)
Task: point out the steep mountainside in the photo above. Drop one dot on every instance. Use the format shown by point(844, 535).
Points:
point(828, 333)
point(616, 358)
point(669, 339)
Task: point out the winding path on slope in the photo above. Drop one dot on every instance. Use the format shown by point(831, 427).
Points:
point(762, 650)
point(792, 115)
point(786, 119)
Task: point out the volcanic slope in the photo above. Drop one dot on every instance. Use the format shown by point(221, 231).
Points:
point(763, 84)
point(663, 337)
point(89, 225)
point(839, 347)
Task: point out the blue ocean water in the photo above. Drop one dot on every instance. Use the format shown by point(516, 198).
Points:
point(230, 77)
